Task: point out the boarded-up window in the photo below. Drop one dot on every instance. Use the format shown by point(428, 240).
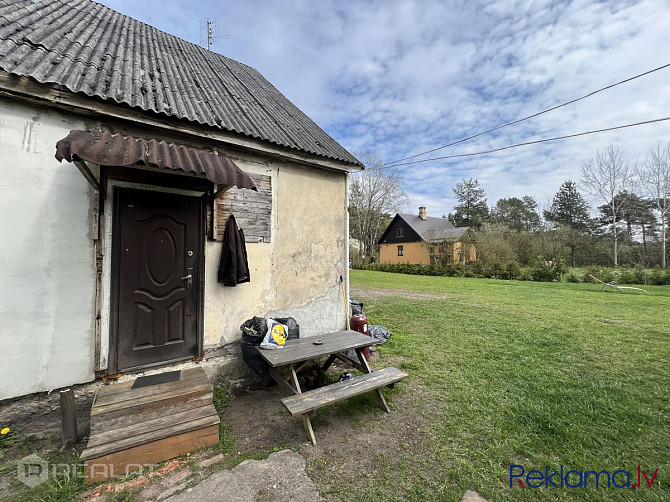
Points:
point(252, 210)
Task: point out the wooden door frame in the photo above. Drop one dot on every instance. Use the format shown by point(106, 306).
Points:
point(116, 189)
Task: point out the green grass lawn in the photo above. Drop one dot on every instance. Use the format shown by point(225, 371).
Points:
point(530, 374)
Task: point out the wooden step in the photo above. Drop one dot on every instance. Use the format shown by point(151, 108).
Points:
point(104, 422)
point(305, 402)
point(135, 428)
point(119, 399)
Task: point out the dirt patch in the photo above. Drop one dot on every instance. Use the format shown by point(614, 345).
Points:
point(355, 438)
point(374, 294)
point(38, 417)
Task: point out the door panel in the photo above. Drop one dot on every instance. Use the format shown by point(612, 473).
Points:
point(158, 239)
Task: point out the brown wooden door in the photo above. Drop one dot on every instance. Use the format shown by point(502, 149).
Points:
point(158, 242)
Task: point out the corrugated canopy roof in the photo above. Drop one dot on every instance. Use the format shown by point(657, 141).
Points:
point(109, 149)
point(91, 49)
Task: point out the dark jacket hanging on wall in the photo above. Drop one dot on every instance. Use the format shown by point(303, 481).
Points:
point(233, 267)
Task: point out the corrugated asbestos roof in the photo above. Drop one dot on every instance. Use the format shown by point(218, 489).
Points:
point(433, 229)
point(91, 49)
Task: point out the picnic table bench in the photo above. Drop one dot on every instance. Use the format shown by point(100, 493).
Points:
point(296, 354)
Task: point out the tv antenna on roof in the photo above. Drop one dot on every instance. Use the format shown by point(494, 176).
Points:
point(209, 32)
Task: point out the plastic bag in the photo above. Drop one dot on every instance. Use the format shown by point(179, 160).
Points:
point(291, 324)
point(356, 307)
point(381, 333)
point(254, 360)
point(276, 335)
point(254, 329)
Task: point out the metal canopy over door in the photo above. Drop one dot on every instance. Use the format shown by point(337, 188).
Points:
point(156, 269)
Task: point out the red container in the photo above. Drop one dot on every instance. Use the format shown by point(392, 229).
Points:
point(359, 323)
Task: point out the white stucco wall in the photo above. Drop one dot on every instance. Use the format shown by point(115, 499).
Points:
point(47, 283)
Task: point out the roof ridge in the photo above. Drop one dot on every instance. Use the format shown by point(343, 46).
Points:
point(90, 48)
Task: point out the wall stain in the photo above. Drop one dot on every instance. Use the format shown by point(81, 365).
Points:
point(29, 136)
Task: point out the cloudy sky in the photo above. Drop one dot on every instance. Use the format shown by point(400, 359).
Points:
point(397, 78)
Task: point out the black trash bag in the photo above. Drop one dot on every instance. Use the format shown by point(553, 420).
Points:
point(254, 360)
point(356, 307)
point(379, 332)
point(291, 324)
point(253, 330)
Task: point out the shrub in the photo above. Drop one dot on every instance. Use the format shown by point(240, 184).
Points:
point(496, 271)
point(477, 268)
point(525, 274)
point(512, 270)
point(640, 275)
point(601, 273)
point(659, 277)
point(626, 276)
point(572, 277)
point(454, 270)
point(548, 271)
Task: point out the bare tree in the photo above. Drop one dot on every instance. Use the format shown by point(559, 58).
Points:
point(655, 180)
point(374, 195)
point(606, 177)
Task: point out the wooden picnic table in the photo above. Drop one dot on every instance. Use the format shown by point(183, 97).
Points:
point(298, 353)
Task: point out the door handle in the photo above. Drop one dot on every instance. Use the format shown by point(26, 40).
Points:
point(188, 278)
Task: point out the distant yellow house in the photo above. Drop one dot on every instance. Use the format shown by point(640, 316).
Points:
point(419, 239)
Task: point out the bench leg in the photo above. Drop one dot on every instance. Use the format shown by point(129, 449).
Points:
point(328, 362)
point(378, 392)
point(294, 378)
point(308, 427)
point(281, 381)
point(350, 362)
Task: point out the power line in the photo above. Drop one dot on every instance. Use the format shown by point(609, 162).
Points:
point(529, 116)
point(546, 140)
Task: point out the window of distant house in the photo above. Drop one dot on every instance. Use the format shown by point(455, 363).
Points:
point(400, 251)
point(400, 231)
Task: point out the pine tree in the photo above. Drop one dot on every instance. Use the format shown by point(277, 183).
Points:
point(569, 208)
point(570, 212)
point(517, 214)
point(472, 209)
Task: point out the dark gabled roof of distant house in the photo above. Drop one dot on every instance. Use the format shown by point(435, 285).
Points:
point(91, 49)
point(433, 229)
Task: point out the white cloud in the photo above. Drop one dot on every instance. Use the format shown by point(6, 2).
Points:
point(400, 77)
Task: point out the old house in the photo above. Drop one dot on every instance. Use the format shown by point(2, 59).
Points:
point(424, 240)
point(110, 257)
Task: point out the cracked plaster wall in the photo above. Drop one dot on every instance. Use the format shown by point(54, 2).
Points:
point(298, 272)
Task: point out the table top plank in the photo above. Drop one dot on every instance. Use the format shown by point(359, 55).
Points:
point(303, 349)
